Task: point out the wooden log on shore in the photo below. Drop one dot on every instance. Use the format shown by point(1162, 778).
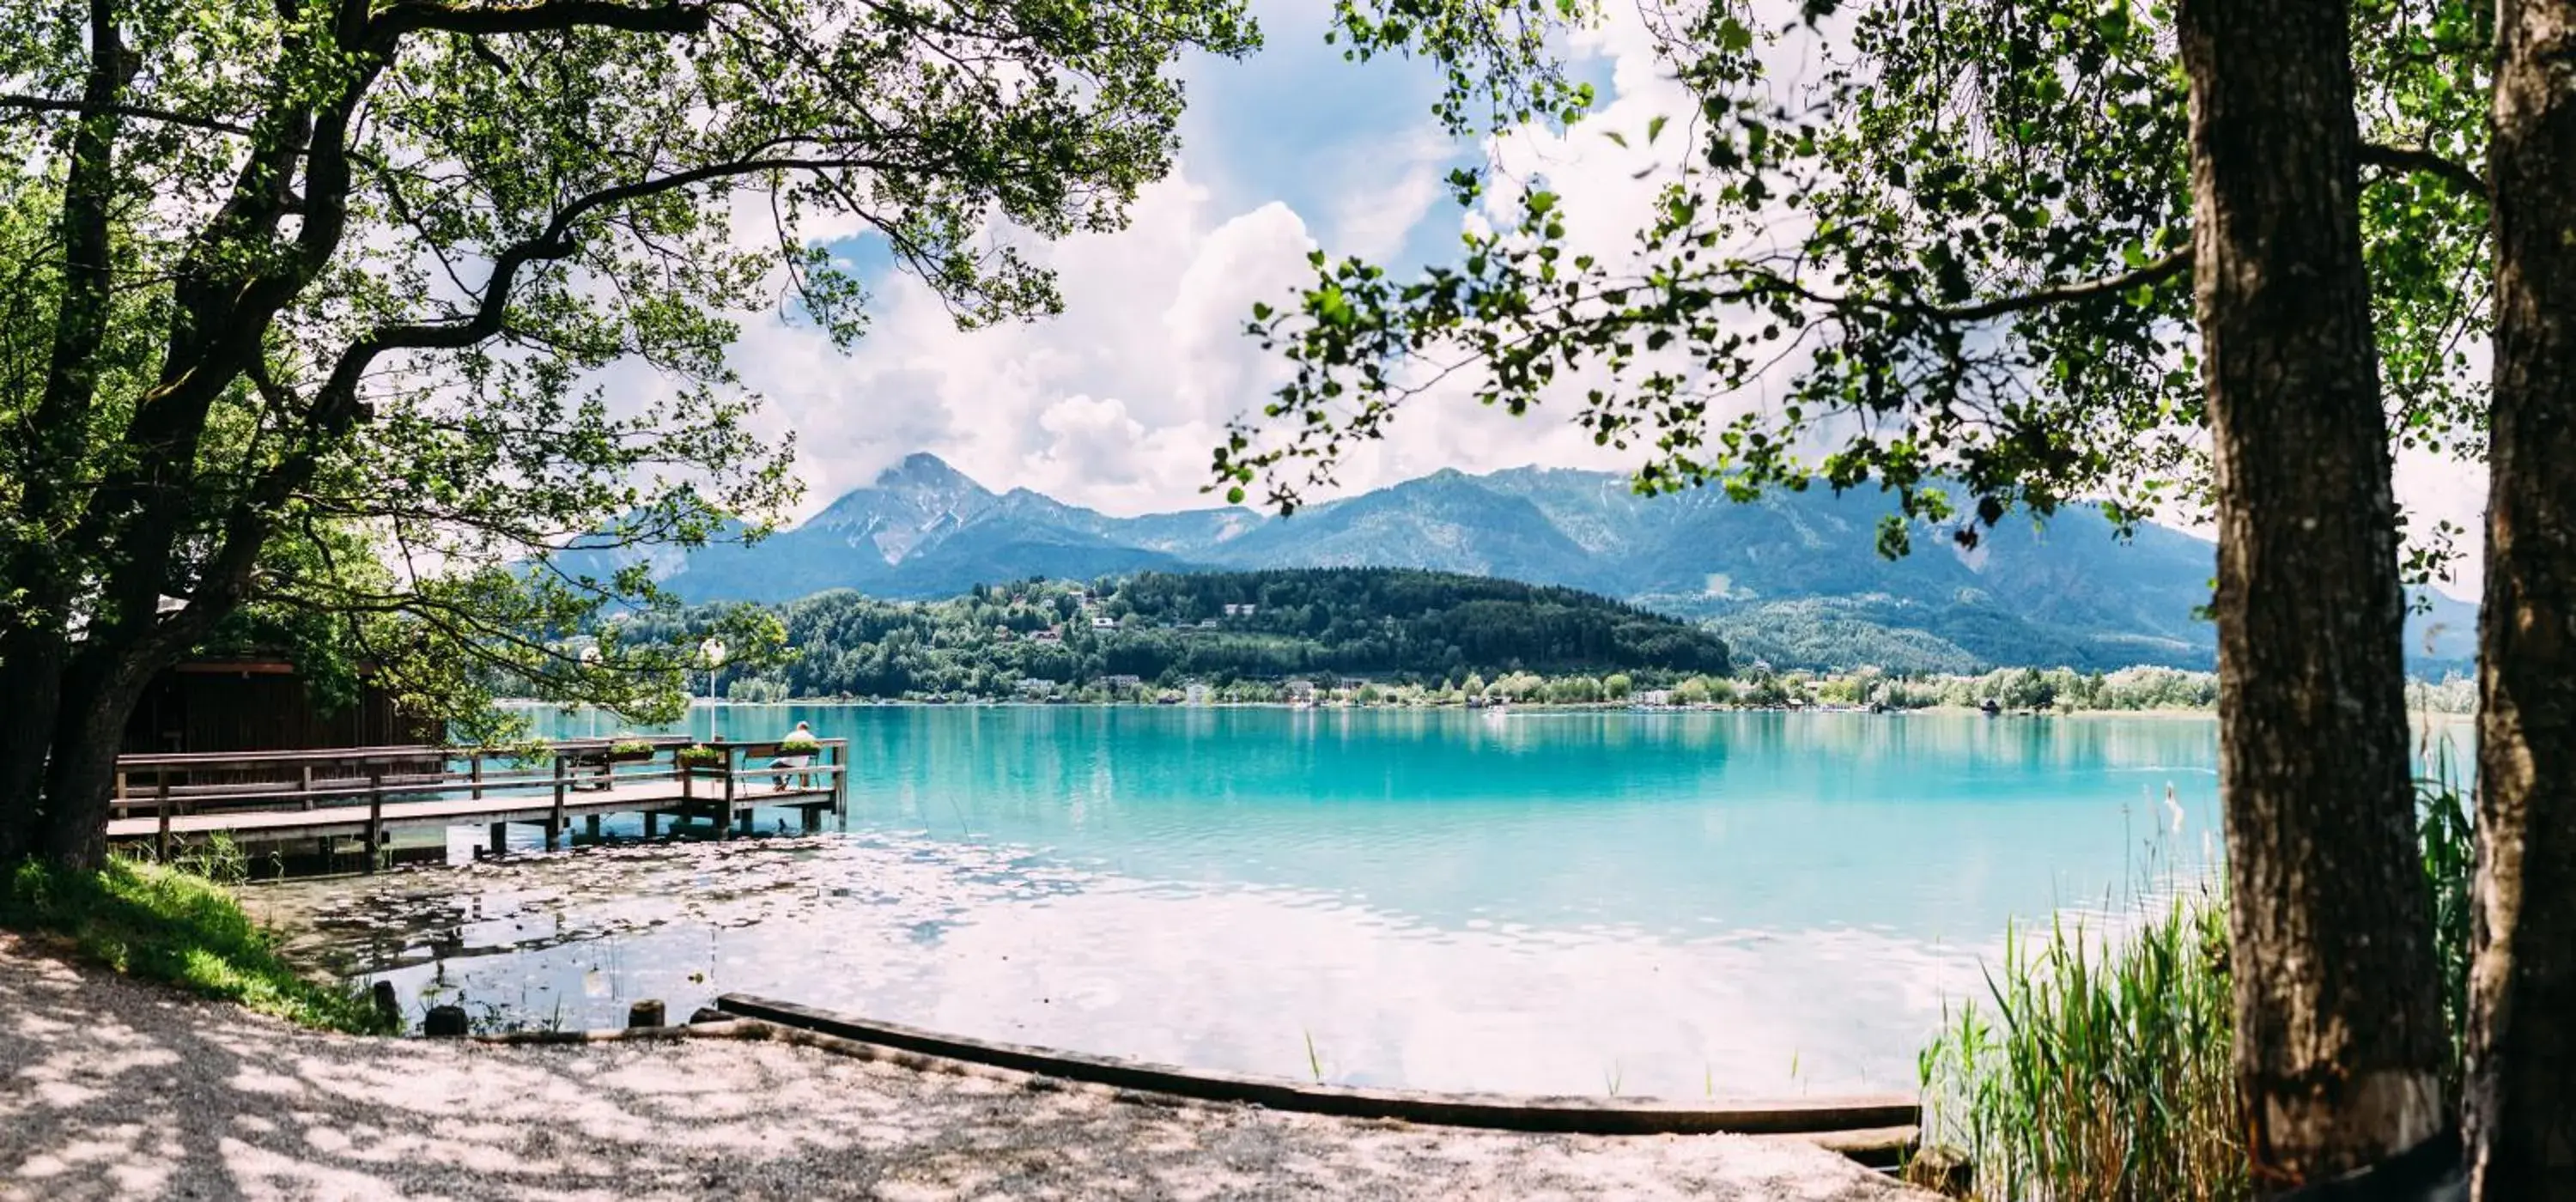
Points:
point(1571, 1115)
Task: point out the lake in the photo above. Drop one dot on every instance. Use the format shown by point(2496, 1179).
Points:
point(1666, 904)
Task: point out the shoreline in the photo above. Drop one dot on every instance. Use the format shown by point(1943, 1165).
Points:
point(117, 1088)
point(527, 704)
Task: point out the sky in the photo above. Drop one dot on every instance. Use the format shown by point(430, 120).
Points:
point(1118, 403)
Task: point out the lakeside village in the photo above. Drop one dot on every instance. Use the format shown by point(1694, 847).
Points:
point(1062, 631)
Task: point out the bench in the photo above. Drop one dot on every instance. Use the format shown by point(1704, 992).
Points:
point(754, 762)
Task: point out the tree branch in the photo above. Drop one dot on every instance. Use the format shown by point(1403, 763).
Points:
point(408, 16)
point(2415, 159)
point(47, 104)
point(2155, 272)
point(555, 242)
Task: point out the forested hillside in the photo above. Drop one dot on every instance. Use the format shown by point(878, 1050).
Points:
point(1216, 627)
point(1793, 578)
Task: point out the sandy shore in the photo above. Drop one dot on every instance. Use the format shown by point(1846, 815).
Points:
point(111, 1088)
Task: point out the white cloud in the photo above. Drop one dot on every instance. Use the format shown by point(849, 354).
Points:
point(1117, 403)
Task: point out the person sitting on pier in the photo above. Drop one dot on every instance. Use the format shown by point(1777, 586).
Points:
point(801, 737)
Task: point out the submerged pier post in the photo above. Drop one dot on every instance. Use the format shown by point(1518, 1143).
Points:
point(726, 817)
point(500, 839)
point(375, 815)
point(555, 820)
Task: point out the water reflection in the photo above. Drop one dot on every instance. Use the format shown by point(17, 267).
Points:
point(1679, 903)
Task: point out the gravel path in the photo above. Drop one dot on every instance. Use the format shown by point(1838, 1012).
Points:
point(115, 1089)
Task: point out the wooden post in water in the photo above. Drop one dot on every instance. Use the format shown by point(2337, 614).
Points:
point(375, 812)
point(477, 773)
point(841, 783)
point(652, 823)
point(725, 820)
point(555, 821)
point(500, 839)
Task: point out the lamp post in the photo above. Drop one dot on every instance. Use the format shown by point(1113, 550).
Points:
point(712, 652)
point(590, 659)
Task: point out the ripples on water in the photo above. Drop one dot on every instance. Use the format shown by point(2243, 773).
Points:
point(1603, 903)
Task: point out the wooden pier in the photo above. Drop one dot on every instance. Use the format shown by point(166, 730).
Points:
point(367, 793)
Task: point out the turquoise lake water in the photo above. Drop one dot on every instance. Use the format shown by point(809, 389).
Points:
point(1670, 904)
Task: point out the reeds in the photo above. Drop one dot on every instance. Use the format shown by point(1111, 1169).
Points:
point(2098, 1066)
point(2099, 1069)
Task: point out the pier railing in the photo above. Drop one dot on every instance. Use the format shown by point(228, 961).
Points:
point(164, 787)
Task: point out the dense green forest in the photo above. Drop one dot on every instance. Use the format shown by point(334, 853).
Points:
point(1392, 636)
point(1212, 628)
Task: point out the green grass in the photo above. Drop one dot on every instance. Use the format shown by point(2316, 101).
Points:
point(2098, 1067)
point(169, 924)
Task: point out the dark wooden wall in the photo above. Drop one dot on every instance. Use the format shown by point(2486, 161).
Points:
point(204, 707)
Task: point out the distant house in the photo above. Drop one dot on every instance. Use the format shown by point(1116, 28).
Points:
point(1207, 623)
point(1123, 681)
point(1004, 634)
point(1656, 697)
point(1037, 687)
point(1197, 694)
point(1104, 623)
point(1241, 611)
point(1048, 635)
point(1300, 690)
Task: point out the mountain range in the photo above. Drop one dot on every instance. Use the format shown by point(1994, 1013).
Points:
point(1791, 578)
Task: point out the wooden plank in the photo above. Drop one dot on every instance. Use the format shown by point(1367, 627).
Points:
point(663, 796)
point(1570, 1115)
point(1886, 1148)
point(311, 799)
point(350, 755)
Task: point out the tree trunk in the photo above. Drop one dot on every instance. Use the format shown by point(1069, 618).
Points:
point(2340, 1036)
point(33, 652)
point(98, 698)
point(2521, 1104)
point(31, 680)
